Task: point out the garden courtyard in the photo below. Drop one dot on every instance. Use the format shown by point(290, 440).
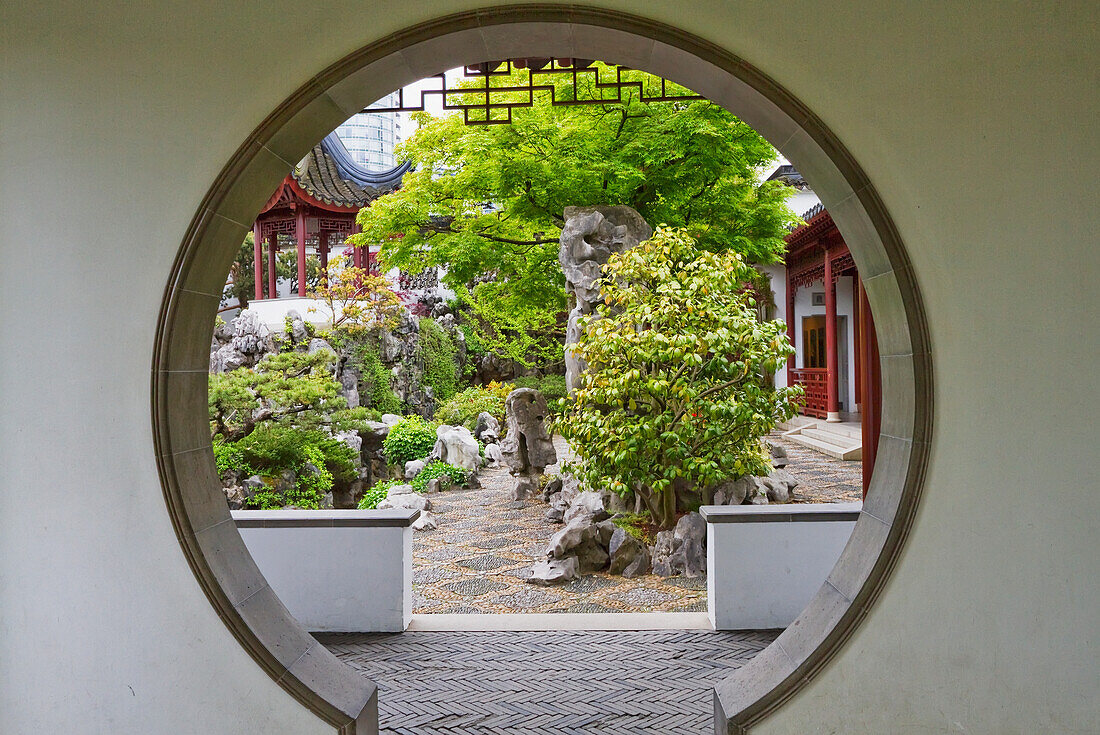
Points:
point(479, 557)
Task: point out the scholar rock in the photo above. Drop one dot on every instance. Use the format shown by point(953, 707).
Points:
point(318, 345)
point(588, 505)
point(554, 571)
point(297, 331)
point(487, 428)
point(525, 487)
point(588, 239)
point(438, 485)
point(778, 453)
point(629, 556)
point(456, 446)
point(411, 501)
point(493, 455)
point(413, 468)
point(389, 419)
point(527, 447)
point(426, 522)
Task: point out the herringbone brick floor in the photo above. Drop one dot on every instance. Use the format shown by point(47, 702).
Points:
point(547, 683)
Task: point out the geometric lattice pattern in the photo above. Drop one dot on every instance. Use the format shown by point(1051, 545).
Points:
point(547, 683)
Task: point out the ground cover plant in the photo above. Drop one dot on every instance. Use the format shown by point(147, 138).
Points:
point(675, 396)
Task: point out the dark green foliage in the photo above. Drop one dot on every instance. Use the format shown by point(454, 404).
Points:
point(291, 389)
point(457, 475)
point(438, 351)
point(410, 438)
point(229, 458)
point(272, 448)
point(380, 395)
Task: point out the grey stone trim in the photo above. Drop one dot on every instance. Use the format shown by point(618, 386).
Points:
point(390, 518)
point(219, 560)
point(816, 512)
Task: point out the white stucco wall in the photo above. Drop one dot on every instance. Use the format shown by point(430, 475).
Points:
point(976, 124)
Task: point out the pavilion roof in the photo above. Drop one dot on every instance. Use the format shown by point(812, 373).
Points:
point(336, 180)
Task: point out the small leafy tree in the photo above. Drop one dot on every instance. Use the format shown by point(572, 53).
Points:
point(355, 300)
point(675, 394)
point(290, 388)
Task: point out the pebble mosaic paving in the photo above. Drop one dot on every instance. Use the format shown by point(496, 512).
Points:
point(476, 561)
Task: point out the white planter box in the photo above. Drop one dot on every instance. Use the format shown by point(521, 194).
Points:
point(337, 571)
point(765, 562)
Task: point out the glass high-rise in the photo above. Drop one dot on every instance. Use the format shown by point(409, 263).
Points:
point(371, 137)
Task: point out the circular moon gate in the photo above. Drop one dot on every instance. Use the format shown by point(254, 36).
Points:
point(209, 538)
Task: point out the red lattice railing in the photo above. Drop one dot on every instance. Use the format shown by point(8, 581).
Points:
point(815, 381)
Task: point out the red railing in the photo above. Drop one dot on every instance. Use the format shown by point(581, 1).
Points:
point(815, 381)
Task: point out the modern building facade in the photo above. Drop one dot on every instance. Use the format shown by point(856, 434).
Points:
point(371, 138)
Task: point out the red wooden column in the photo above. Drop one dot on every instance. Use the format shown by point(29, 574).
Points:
point(832, 392)
point(258, 260)
point(322, 248)
point(300, 236)
point(857, 339)
point(272, 256)
point(870, 388)
point(790, 325)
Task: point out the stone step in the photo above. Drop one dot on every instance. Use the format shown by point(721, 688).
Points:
point(830, 437)
point(828, 448)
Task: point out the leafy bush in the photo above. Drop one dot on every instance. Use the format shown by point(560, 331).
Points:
point(273, 448)
point(410, 438)
point(229, 458)
point(457, 475)
point(315, 484)
point(381, 396)
point(462, 409)
point(438, 352)
point(376, 494)
point(675, 394)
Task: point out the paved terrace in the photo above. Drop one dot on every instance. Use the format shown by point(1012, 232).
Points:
point(547, 683)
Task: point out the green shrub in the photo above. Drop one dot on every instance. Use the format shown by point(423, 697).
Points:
point(457, 475)
point(410, 438)
point(273, 449)
point(462, 409)
point(376, 494)
point(229, 458)
point(380, 395)
point(320, 483)
point(438, 351)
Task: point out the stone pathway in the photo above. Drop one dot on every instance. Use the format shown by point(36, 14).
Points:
point(486, 543)
point(822, 479)
point(554, 682)
point(478, 558)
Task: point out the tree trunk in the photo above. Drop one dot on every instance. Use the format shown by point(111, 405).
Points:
point(661, 506)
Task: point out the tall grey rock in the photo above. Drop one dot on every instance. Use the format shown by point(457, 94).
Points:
point(588, 239)
point(527, 448)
